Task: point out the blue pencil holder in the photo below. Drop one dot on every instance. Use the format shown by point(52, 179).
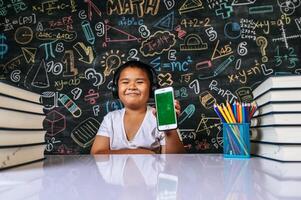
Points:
point(236, 138)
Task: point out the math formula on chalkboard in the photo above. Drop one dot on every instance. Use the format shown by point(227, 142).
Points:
point(210, 51)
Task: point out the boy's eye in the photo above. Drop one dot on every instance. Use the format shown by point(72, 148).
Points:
point(140, 82)
point(124, 82)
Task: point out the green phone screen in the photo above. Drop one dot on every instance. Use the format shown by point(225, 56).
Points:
point(165, 108)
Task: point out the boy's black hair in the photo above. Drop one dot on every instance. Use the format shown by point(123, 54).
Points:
point(151, 73)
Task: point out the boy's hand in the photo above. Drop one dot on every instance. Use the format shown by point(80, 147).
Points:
point(177, 108)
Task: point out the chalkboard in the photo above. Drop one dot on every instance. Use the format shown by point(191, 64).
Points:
point(210, 51)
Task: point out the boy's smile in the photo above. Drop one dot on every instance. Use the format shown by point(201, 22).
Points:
point(132, 93)
point(133, 87)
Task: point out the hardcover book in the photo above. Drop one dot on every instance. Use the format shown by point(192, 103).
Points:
point(277, 134)
point(20, 155)
point(20, 93)
point(277, 82)
point(286, 95)
point(279, 152)
point(278, 107)
point(14, 119)
point(18, 104)
point(15, 137)
point(276, 119)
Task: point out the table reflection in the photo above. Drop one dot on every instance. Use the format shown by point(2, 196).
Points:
point(136, 175)
point(160, 177)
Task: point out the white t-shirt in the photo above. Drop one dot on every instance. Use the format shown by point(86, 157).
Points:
point(147, 135)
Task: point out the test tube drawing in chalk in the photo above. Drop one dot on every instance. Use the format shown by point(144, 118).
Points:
point(70, 105)
point(187, 113)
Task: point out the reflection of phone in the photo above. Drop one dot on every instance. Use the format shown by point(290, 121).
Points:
point(167, 187)
point(166, 113)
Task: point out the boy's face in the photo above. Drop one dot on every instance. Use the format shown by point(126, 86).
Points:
point(133, 87)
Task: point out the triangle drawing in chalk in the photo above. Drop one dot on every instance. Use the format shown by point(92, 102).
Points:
point(242, 2)
point(166, 23)
point(219, 52)
point(29, 54)
point(41, 79)
point(191, 5)
point(116, 35)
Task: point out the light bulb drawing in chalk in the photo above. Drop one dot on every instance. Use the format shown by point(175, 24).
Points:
point(111, 61)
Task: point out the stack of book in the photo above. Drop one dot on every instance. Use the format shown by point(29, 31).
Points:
point(22, 136)
point(276, 125)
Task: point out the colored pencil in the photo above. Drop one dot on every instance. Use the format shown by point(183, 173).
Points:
point(234, 110)
point(230, 112)
point(227, 113)
point(243, 113)
point(239, 112)
point(218, 113)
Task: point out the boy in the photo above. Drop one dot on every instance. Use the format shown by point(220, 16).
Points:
point(133, 129)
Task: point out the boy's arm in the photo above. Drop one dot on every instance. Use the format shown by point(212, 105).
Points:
point(101, 145)
point(173, 143)
point(130, 151)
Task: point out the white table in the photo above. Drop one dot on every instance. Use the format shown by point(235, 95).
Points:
point(186, 176)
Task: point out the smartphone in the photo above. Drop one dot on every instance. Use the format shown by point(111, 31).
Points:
point(166, 113)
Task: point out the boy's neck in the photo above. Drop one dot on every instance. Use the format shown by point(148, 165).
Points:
point(136, 111)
